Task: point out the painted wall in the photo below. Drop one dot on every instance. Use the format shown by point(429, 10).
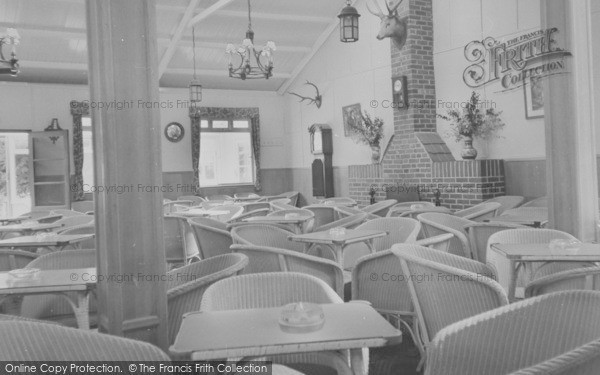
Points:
point(32, 107)
point(346, 73)
point(456, 23)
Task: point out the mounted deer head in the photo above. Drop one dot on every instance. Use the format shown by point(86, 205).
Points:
point(391, 25)
point(317, 100)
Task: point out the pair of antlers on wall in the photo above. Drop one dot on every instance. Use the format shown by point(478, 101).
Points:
point(317, 100)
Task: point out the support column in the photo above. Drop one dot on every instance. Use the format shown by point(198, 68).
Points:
point(570, 135)
point(123, 68)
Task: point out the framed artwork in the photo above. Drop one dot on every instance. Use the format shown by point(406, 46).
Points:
point(534, 98)
point(352, 116)
point(174, 132)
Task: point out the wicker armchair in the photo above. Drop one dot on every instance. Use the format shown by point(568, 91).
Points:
point(479, 233)
point(349, 222)
point(32, 341)
point(232, 210)
point(14, 259)
point(380, 208)
point(265, 235)
point(264, 290)
point(437, 223)
point(74, 221)
point(323, 214)
point(175, 206)
point(186, 285)
point(177, 249)
point(83, 206)
point(219, 197)
point(270, 259)
point(507, 202)
point(528, 236)
point(291, 195)
point(307, 226)
point(82, 229)
point(586, 278)
point(413, 213)
point(249, 214)
point(248, 207)
point(537, 202)
point(446, 288)
point(399, 208)
point(554, 334)
point(479, 212)
point(196, 199)
point(211, 240)
point(440, 242)
point(246, 195)
point(388, 292)
point(345, 211)
point(54, 307)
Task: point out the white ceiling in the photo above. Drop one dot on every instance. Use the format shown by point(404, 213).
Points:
point(53, 46)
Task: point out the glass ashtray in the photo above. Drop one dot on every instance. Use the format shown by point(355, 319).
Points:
point(28, 223)
point(417, 206)
point(24, 273)
point(301, 317)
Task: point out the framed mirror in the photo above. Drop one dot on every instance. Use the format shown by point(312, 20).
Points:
point(174, 132)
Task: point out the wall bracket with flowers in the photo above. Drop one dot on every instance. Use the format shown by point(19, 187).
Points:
point(369, 131)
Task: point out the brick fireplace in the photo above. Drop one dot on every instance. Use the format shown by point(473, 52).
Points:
point(417, 157)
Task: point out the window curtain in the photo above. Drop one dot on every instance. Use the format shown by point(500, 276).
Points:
point(252, 114)
point(78, 110)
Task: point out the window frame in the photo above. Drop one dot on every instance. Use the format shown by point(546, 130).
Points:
point(229, 129)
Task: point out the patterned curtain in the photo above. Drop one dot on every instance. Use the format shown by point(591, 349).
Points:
point(251, 114)
point(78, 110)
point(195, 117)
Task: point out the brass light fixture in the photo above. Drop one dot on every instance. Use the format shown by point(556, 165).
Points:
point(246, 51)
point(53, 126)
point(195, 86)
point(348, 23)
point(9, 66)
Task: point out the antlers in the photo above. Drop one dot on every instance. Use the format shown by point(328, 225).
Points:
point(317, 100)
point(379, 13)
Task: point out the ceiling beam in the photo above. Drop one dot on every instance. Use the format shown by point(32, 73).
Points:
point(208, 11)
point(80, 33)
point(168, 55)
point(84, 67)
point(306, 59)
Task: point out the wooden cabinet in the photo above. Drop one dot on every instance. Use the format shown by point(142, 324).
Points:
point(49, 169)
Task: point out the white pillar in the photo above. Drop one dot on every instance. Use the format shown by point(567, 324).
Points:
point(569, 118)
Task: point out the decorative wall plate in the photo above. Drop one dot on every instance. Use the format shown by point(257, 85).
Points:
point(174, 132)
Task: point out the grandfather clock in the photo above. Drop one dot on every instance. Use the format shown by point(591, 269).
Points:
point(321, 146)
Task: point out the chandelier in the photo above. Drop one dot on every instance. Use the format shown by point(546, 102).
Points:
point(246, 51)
point(9, 66)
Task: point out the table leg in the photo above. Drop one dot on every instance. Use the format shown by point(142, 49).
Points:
point(81, 308)
point(512, 284)
point(357, 362)
point(338, 249)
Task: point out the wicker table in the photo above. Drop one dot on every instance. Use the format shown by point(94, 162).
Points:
point(51, 242)
point(80, 281)
point(27, 228)
point(507, 258)
point(339, 241)
point(255, 332)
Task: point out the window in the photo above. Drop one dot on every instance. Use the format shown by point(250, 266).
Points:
point(88, 151)
point(225, 152)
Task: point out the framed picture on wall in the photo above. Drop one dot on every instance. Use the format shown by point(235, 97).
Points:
point(534, 97)
point(352, 115)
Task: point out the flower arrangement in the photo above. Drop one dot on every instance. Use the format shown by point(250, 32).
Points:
point(370, 130)
point(473, 122)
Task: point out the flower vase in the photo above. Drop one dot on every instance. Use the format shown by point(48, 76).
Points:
point(375, 153)
point(468, 152)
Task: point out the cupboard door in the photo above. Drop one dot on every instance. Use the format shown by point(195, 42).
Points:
point(49, 169)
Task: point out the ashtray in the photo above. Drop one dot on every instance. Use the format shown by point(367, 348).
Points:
point(417, 206)
point(291, 215)
point(24, 273)
point(28, 223)
point(301, 317)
